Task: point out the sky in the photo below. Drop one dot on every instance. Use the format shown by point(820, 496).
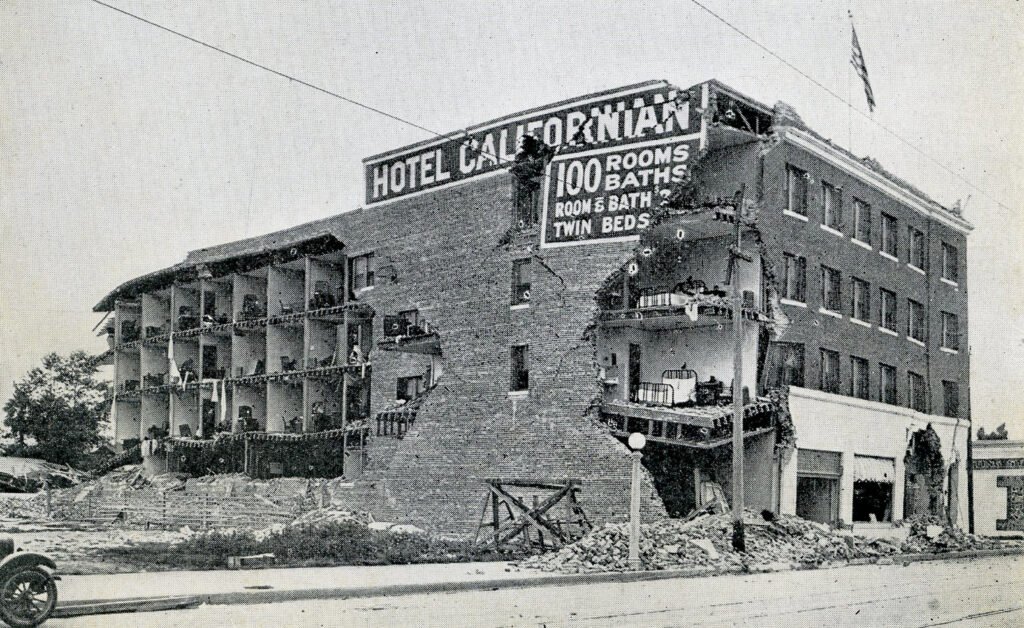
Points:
point(122, 147)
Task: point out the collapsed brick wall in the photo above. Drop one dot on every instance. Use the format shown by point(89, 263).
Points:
point(447, 254)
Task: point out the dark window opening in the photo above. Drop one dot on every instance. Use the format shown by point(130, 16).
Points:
point(915, 392)
point(887, 309)
point(915, 320)
point(361, 271)
point(520, 368)
point(890, 235)
point(861, 300)
point(788, 366)
point(915, 242)
point(832, 206)
point(950, 331)
point(951, 399)
point(862, 221)
point(887, 384)
point(860, 379)
point(796, 187)
point(830, 371)
point(831, 289)
point(409, 388)
point(794, 280)
point(527, 202)
point(520, 281)
point(872, 501)
point(950, 269)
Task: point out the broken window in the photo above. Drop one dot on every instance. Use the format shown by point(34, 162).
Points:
point(520, 281)
point(950, 331)
point(831, 289)
point(860, 380)
point(794, 277)
point(830, 371)
point(951, 398)
point(861, 300)
point(887, 384)
point(520, 369)
point(361, 270)
point(832, 206)
point(915, 391)
point(915, 320)
point(817, 490)
point(950, 271)
point(409, 388)
point(887, 309)
point(796, 186)
point(862, 221)
point(789, 367)
point(915, 242)
point(890, 235)
point(872, 501)
point(527, 201)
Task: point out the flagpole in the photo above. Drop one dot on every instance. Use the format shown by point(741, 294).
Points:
point(849, 95)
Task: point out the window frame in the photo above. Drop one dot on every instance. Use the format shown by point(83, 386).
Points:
point(831, 278)
point(950, 337)
point(521, 289)
point(831, 206)
point(519, 358)
point(527, 202)
point(887, 373)
point(860, 288)
point(368, 274)
point(402, 387)
point(798, 352)
point(885, 321)
point(890, 235)
point(950, 262)
point(799, 282)
point(915, 320)
point(917, 398)
point(860, 378)
point(861, 218)
point(916, 248)
point(792, 175)
point(947, 386)
point(826, 384)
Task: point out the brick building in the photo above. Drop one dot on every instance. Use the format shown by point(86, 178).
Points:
point(510, 308)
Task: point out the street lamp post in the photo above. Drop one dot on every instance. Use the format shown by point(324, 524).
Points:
point(636, 443)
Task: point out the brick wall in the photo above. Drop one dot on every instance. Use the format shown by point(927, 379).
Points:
point(449, 261)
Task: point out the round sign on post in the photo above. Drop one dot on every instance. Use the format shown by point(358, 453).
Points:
point(637, 441)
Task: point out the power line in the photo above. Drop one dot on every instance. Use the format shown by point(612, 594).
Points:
point(848, 104)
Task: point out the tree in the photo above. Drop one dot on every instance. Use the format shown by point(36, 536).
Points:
point(57, 410)
point(997, 434)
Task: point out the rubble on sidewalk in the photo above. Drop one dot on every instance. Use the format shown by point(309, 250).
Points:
point(706, 542)
point(929, 534)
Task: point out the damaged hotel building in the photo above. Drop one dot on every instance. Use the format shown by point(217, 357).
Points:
point(516, 298)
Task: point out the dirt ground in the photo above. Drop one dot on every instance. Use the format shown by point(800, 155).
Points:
point(76, 547)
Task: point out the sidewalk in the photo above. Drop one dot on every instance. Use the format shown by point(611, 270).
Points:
point(86, 595)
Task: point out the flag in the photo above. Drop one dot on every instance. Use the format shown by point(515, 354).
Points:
point(857, 61)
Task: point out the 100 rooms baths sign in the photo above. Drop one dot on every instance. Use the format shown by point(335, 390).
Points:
point(614, 149)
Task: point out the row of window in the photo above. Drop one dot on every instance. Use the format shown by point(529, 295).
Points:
point(794, 288)
point(791, 372)
point(798, 188)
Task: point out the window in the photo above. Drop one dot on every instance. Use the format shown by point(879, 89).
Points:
point(794, 277)
point(887, 309)
point(951, 399)
point(527, 202)
point(831, 289)
point(950, 271)
point(861, 300)
point(887, 384)
point(862, 221)
point(796, 186)
point(915, 320)
point(830, 371)
point(520, 281)
point(890, 235)
point(790, 369)
point(520, 369)
point(915, 391)
point(860, 380)
point(915, 242)
point(832, 206)
point(950, 331)
point(409, 388)
point(361, 271)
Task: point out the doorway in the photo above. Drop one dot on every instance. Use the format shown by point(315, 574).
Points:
point(634, 370)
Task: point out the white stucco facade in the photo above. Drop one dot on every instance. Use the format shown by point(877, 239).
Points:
point(858, 429)
point(997, 464)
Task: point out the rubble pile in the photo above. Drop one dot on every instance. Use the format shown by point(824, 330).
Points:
point(929, 534)
point(323, 516)
point(706, 542)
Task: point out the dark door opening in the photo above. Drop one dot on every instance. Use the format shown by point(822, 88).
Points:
point(634, 370)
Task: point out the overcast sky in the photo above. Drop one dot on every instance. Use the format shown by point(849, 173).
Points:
point(123, 146)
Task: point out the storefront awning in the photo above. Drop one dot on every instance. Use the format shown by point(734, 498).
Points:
point(869, 469)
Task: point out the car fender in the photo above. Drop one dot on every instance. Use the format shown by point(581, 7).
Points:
point(21, 560)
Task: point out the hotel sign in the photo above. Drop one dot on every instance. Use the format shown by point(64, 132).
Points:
point(652, 114)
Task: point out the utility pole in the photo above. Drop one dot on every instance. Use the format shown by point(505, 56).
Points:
point(739, 542)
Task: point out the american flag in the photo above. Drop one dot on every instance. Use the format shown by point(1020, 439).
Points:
point(857, 61)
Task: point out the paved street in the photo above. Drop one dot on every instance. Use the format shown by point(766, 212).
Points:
point(982, 592)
